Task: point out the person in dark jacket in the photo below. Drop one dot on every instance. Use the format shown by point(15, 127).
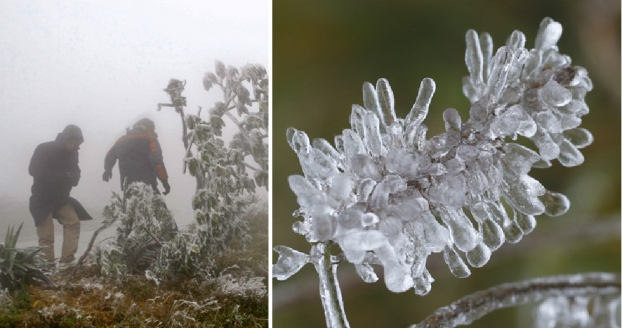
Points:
point(55, 171)
point(140, 157)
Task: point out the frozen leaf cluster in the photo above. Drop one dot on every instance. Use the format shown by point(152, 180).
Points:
point(225, 187)
point(389, 195)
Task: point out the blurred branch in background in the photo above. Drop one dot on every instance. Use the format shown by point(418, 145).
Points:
point(589, 233)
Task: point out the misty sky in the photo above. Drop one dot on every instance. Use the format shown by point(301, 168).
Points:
point(102, 65)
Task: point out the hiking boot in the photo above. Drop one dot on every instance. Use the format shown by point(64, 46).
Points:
point(62, 266)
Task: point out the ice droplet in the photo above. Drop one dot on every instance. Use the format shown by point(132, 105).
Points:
point(553, 94)
point(423, 283)
point(396, 275)
point(352, 143)
point(474, 57)
point(579, 137)
point(478, 256)
point(526, 222)
point(373, 139)
point(569, 155)
point(463, 234)
point(298, 141)
point(492, 234)
point(366, 272)
point(555, 204)
point(290, 261)
point(548, 34)
point(523, 195)
point(456, 265)
point(420, 109)
point(386, 100)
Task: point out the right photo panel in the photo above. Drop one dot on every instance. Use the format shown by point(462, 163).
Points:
point(440, 164)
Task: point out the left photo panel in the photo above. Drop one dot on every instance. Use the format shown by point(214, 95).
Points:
point(134, 190)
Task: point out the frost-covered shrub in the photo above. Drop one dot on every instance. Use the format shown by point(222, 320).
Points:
point(224, 185)
point(144, 224)
point(389, 195)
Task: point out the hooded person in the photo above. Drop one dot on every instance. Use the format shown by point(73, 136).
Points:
point(55, 171)
point(140, 157)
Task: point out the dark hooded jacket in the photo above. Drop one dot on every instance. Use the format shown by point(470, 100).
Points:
point(140, 158)
point(55, 171)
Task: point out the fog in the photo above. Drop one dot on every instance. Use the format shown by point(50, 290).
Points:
point(102, 65)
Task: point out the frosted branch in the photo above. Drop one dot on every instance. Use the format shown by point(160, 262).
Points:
point(477, 305)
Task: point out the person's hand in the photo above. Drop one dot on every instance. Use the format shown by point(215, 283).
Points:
point(107, 175)
point(167, 187)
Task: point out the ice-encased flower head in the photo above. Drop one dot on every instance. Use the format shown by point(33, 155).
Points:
point(388, 195)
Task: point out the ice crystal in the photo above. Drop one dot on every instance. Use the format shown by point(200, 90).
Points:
point(388, 195)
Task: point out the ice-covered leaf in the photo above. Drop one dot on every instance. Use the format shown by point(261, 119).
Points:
point(289, 262)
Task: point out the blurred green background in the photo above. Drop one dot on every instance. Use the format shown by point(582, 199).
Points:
point(324, 50)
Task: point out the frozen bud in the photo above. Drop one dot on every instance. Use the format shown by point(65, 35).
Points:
point(423, 283)
point(394, 183)
point(523, 195)
point(548, 148)
point(307, 194)
point(380, 197)
point(352, 144)
point(452, 119)
point(341, 187)
point(390, 227)
point(366, 272)
point(467, 153)
point(318, 164)
point(396, 275)
point(400, 161)
point(324, 224)
point(373, 138)
point(366, 240)
point(478, 112)
point(365, 187)
point(554, 94)
point(518, 160)
point(369, 219)
point(325, 147)
point(364, 167)
point(548, 122)
point(549, 33)
point(555, 204)
point(351, 219)
point(454, 165)
point(298, 141)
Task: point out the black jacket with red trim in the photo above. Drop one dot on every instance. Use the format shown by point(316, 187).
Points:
point(140, 158)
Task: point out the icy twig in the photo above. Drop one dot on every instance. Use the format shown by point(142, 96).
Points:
point(477, 305)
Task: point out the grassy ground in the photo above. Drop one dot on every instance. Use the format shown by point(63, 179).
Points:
point(237, 298)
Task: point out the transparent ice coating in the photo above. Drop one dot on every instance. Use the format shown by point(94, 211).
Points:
point(390, 195)
point(565, 301)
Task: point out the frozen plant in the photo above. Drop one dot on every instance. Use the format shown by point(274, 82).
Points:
point(388, 195)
